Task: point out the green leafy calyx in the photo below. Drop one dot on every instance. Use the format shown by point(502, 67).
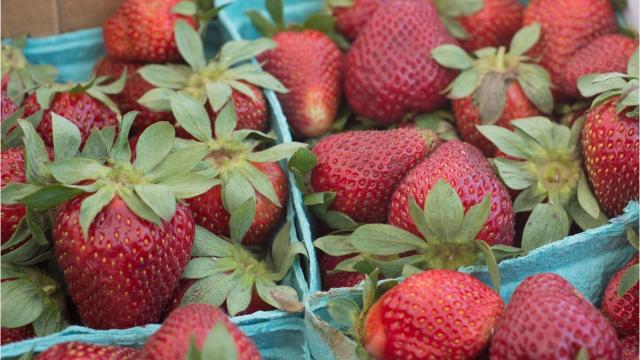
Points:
point(489, 73)
point(23, 77)
point(227, 272)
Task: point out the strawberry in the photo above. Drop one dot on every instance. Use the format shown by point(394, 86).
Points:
point(543, 169)
point(12, 172)
point(203, 324)
point(176, 297)
point(607, 53)
point(562, 320)
point(421, 317)
point(622, 311)
point(247, 279)
point(352, 18)
point(137, 235)
point(564, 30)
point(85, 104)
point(629, 345)
point(81, 351)
point(338, 279)
point(251, 184)
point(610, 137)
point(362, 168)
point(134, 88)
point(496, 86)
point(309, 64)
point(493, 24)
point(402, 33)
point(226, 77)
point(19, 77)
point(142, 30)
point(464, 167)
point(11, 335)
point(8, 106)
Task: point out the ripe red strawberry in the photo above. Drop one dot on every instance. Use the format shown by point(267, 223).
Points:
point(142, 30)
point(142, 262)
point(309, 65)
point(562, 320)
point(16, 334)
point(129, 226)
point(389, 71)
point(469, 173)
point(363, 168)
point(629, 347)
point(226, 77)
point(209, 211)
point(194, 323)
point(12, 171)
point(564, 29)
point(607, 53)
point(622, 312)
point(351, 19)
point(82, 351)
point(134, 88)
point(433, 314)
point(338, 279)
point(493, 25)
point(176, 297)
point(467, 116)
point(509, 86)
point(610, 144)
point(8, 106)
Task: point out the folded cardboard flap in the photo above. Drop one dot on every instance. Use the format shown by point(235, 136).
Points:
point(49, 17)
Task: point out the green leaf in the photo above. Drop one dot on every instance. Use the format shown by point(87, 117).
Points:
point(490, 96)
point(36, 154)
point(536, 84)
point(192, 116)
point(584, 220)
point(261, 23)
point(486, 52)
point(261, 182)
point(583, 354)
point(235, 191)
point(319, 202)
point(455, 28)
point(218, 94)
point(44, 95)
point(464, 84)
point(185, 7)
point(337, 220)
point(209, 244)
point(241, 220)
point(240, 295)
point(73, 170)
point(233, 52)
point(632, 65)
point(179, 161)
point(546, 224)
point(50, 320)
point(201, 267)
point(50, 196)
point(261, 79)
point(344, 311)
point(475, 219)
point(159, 198)
point(586, 199)
point(456, 8)
point(543, 131)
point(452, 56)
point(225, 121)
point(166, 76)
point(629, 279)
point(185, 186)
point(502, 252)
point(369, 292)
point(219, 344)
point(418, 217)
point(335, 245)
point(96, 146)
point(524, 39)
point(22, 303)
point(154, 144)
point(95, 93)
point(276, 153)
point(158, 99)
point(589, 88)
point(135, 204)
point(393, 268)
point(383, 239)
point(121, 150)
point(37, 222)
point(528, 199)
point(92, 205)
point(443, 211)
point(300, 164)
point(11, 193)
point(505, 140)
point(492, 264)
point(515, 174)
point(189, 44)
point(632, 236)
point(211, 290)
point(66, 137)
point(275, 8)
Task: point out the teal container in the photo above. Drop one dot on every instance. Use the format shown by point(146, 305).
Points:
point(587, 260)
point(279, 335)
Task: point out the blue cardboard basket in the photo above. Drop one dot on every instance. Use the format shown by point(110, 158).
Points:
point(587, 260)
point(278, 334)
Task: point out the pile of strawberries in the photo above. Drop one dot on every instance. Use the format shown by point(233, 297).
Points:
point(442, 134)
